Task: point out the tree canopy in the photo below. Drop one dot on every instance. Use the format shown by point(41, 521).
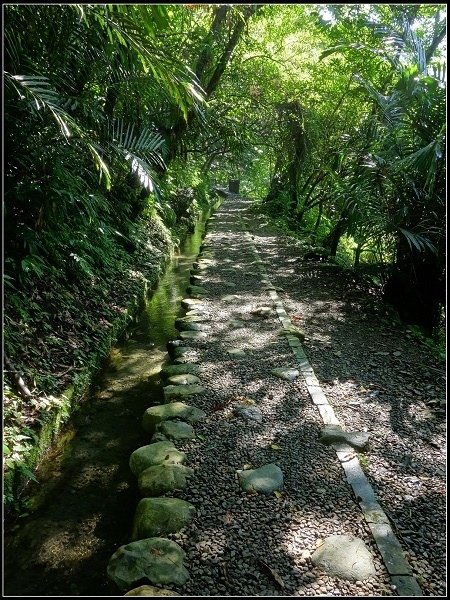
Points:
point(332, 116)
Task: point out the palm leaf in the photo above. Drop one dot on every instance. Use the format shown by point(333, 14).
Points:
point(417, 241)
point(142, 150)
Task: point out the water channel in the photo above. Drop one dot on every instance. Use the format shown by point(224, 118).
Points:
point(82, 509)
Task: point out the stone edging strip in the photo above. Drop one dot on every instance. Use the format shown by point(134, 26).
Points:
point(377, 520)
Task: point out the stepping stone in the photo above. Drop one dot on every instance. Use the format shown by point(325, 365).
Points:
point(230, 297)
point(191, 324)
point(250, 413)
point(176, 391)
point(161, 479)
point(237, 323)
point(193, 335)
point(197, 312)
point(173, 430)
point(196, 279)
point(346, 557)
point(266, 479)
point(155, 517)
point(155, 454)
point(197, 290)
point(190, 302)
point(170, 411)
point(185, 379)
point(171, 345)
point(182, 350)
point(204, 263)
point(157, 559)
point(286, 373)
point(236, 353)
point(181, 360)
point(334, 434)
point(150, 590)
point(170, 370)
point(196, 318)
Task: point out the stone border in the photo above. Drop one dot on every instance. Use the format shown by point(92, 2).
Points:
point(377, 520)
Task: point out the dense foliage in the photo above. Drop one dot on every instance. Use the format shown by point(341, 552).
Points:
point(119, 119)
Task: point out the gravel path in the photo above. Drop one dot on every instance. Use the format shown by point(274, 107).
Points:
point(368, 370)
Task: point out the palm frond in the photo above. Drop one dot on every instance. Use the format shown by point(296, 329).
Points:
point(41, 96)
point(142, 150)
point(417, 241)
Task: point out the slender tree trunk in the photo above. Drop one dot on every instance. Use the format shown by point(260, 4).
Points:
point(319, 217)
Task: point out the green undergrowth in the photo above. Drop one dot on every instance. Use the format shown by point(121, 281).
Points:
point(75, 298)
point(370, 273)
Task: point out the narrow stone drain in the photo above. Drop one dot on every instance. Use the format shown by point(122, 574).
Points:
point(377, 520)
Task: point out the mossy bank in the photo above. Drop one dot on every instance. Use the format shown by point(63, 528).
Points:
point(60, 334)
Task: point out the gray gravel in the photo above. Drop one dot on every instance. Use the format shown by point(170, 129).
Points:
point(233, 531)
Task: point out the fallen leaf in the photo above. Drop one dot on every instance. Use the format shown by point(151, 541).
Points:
point(247, 466)
point(348, 456)
point(228, 517)
point(275, 447)
point(278, 494)
point(224, 570)
point(273, 573)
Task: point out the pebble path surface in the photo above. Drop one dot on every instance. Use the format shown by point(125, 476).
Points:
point(250, 544)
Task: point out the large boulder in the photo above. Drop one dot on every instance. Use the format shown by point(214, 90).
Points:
point(166, 412)
point(163, 478)
point(155, 454)
point(156, 559)
point(156, 517)
point(344, 556)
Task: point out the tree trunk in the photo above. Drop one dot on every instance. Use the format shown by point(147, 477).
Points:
point(332, 240)
point(416, 287)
